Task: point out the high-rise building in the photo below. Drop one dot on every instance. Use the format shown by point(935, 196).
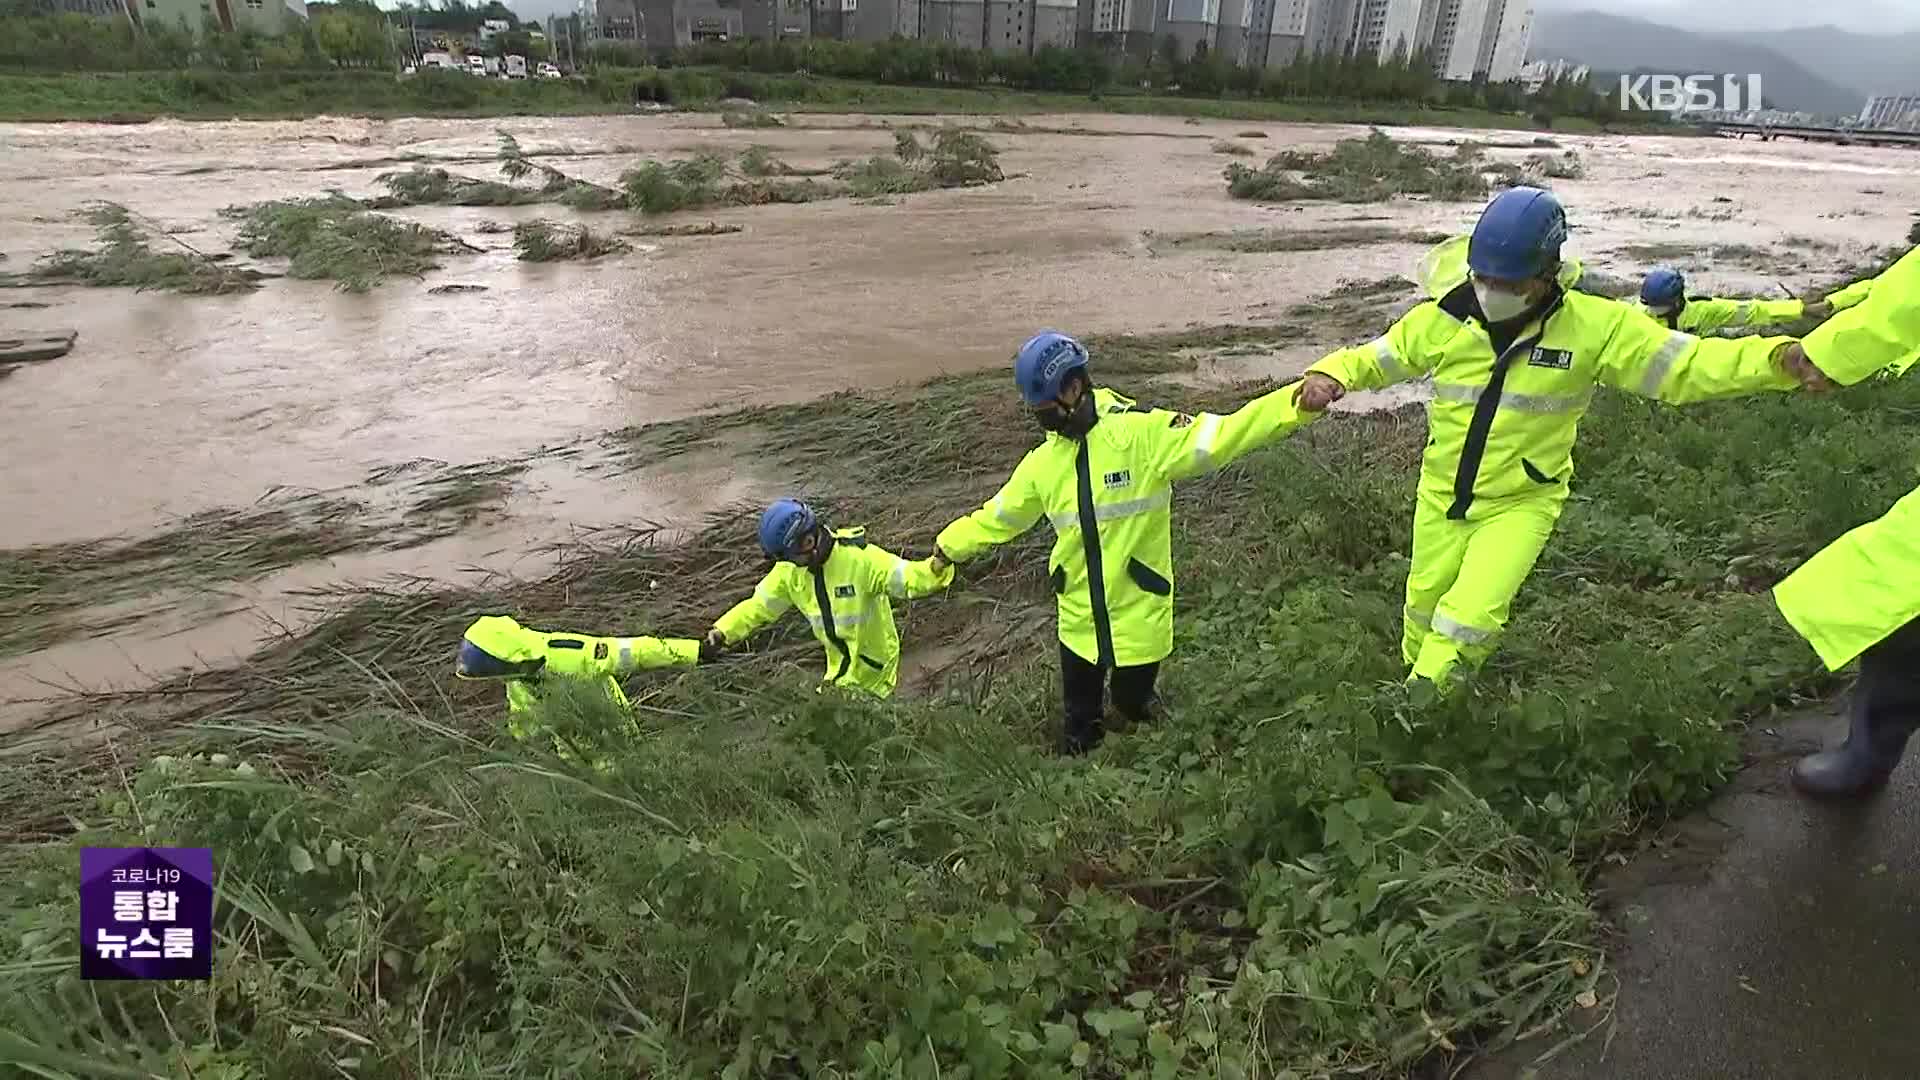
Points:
point(1509, 34)
point(1451, 32)
point(1191, 23)
point(1386, 28)
point(1276, 30)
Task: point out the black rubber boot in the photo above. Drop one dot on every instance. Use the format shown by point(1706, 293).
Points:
point(1877, 733)
point(1080, 738)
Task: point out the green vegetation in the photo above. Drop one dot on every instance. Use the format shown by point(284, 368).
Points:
point(1373, 169)
point(336, 238)
point(1269, 240)
point(221, 94)
point(954, 157)
point(125, 256)
point(424, 186)
point(1304, 866)
point(550, 241)
point(554, 184)
point(750, 65)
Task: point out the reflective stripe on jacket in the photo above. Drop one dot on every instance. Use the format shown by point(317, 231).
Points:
point(1108, 498)
point(1705, 314)
point(1504, 426)
point(849, 604)
point(1865, 585)
point(576, 656)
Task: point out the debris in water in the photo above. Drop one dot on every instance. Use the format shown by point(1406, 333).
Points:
point(335, 237)
point(706, 229)
point(123, 256)
point(24, 305)
point(41, 346)
point(549, 241)
point(448, 290)
point(1373, 169)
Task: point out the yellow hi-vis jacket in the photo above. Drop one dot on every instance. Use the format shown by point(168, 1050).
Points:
point(1503, 427)
point(577, 656)
point(1705, 314)
point(849, 603)
point(1865, 585)
point(1109, 498)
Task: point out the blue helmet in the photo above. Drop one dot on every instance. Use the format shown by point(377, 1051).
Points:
point(1663, 288)
point(784, 525)
point(1043, 363)
point(1518, 236)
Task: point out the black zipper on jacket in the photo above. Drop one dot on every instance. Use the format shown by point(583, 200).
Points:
point(1096, 571)
point(1475, 447)
point(826, 621)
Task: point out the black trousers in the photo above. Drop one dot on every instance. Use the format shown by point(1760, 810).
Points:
point(1083, 690)
point(1886, 699)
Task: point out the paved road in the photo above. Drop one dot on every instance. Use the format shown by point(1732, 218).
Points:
point(1769, 938)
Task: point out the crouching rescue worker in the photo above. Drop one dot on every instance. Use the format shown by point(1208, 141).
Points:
point(843, 585)
point(1663, 295)
point(1860, 595)
point(497, 647)
point(1514, 354)
point(1104, 481)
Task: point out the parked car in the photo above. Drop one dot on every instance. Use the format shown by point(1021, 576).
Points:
point(548, 71)
point(516, 67)
point(477, 65)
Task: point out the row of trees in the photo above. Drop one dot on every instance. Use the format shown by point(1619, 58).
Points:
point(355, 33)
point(349, 34)
point(1406, 78)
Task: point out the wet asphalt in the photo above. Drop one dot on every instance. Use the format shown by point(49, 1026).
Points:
point(1765, 937)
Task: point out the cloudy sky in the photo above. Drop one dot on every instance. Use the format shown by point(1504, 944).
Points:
point(1862, 16)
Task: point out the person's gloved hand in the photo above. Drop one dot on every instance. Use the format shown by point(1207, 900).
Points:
point(1317, 391)
point(1794, 361)
point(939, 561)
point(712, 645)
point(1817, 309)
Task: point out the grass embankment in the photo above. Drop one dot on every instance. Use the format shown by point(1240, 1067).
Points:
point(213, 95)
point(1300, 868)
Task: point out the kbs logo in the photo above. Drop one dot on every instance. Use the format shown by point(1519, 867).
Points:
point(1690, 93)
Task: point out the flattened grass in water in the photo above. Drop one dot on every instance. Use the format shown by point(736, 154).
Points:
point(552, 241)
point(1373, 169)
point(338, 239)
point(1272, 240)
point(123, 255)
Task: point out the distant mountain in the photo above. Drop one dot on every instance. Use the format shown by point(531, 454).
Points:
point(1860, 16)
point(1615, 43)
point(1868, 64)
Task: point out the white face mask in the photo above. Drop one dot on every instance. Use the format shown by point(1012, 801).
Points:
point(1499, 305)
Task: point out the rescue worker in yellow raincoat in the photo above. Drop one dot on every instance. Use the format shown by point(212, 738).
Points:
point(1515, 354)
point(497, 647)
point(1663, 295)
point(1860, 595)
point(1103, 478)
point(843, 585)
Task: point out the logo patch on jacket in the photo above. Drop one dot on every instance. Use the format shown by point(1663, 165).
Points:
point(842, 592)
point(600, 650)
point(1119, 479)
point(1180, 420)
point(1557, 359)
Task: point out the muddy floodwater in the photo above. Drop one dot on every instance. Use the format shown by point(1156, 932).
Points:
point(173, 405)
